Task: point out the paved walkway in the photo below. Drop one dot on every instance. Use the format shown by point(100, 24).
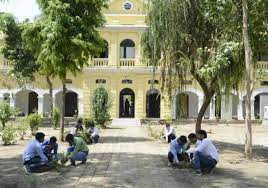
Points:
point(125, 157)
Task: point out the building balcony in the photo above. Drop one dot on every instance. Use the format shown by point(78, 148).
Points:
point(262, 65)
point(127, 62)
point(99, 62)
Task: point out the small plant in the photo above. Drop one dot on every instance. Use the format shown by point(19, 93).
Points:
point(55, 118)
point(34, 121)
point(89, 122)
point(83, 135)
point(8, 135)
point(6, 113)
point(22, 128)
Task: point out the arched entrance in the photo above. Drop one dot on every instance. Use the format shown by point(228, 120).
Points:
point(71, 104)
point(33, 102)
point(153, 103)
point(127, 103)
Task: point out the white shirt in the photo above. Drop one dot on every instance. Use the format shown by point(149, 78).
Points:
point(95, 131)
point(33, 149)
point(192, 150)
point(206, 147)
point(175, 148)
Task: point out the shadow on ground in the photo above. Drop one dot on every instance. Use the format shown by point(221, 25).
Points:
point(123, 170)
point(116, 139)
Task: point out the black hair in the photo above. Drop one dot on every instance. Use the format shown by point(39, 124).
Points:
point(53, 139)
point(80, 120)
point(167, 124)
point(202, 132)
point(191, 135)
point(183, 139)
point(39, 136)
point(69, 138)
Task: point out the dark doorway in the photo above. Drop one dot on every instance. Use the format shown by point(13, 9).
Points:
point(153, 104)
point(71, 104)
point(127, 104)
point(33, 102)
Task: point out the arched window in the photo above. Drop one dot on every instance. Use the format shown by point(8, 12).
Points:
point(127, 49)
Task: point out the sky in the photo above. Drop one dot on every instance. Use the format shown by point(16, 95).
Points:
point(21, 9)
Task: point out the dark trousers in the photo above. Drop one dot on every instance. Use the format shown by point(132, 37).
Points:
point(35, 164)
point(203, 162)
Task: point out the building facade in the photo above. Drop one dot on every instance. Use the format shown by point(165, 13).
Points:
point(127, 78)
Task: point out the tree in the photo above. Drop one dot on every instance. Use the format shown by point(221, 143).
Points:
point(196, 37)
point(101, 105)
point(21, 60)
point(69, 37)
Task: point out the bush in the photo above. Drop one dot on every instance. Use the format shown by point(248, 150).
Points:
point(55, 117)
point(34, 121)
point(101, 105)
point(8, 135)
point(89, 122)
point(6, 113)
point(83, 135)
point(22, 128)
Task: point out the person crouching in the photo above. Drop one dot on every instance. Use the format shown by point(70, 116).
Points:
point(175, 150)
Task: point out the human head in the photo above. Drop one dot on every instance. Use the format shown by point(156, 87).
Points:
point(201, 134)
point(167, 125)
point(80, 120)
point(192, 137)
point(182, 140)
point(52, 140)
point(69, 138)
point(39, 136)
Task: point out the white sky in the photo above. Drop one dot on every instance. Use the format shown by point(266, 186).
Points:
point(21, 9)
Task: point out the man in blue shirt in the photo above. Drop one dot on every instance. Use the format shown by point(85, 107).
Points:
point(175, 150)
point(33, 155)
point(51, 145)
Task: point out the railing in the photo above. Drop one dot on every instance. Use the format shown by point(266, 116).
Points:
point(99, 62)
point(127, 62)
point(4, 63)
point(262, 65)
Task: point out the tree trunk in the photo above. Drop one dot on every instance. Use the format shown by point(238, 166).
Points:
point(63, 108)
point(3, 124)
point(248, 82)
point(202, 111)
point(50, 85)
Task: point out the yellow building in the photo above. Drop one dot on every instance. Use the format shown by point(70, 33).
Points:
point(121, 70)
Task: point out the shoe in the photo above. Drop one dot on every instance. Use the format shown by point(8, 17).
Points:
point(26, 170)
point(198, 173)
point(84, 161)
point(169, 164)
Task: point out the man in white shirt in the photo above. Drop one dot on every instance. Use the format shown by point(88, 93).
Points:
point(205, 155)
point(176, 149)
point(170, 133)
point(33, 156)
point(93, 134)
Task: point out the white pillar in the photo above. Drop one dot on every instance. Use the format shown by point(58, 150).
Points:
point(1, 98)
point(12, 100)
point(226, 108)
point(80, 106)
point(212, 108)
point(252, 110)
point(173, 112)
point(41, 105)
point(200, 102)
point(240, 109)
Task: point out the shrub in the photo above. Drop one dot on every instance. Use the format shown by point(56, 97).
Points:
point(6, 113)
point(101, 105)
point(34, 122)
point(83, 135)
point(22, 128)
point(8, 135)
point(89, 122)
point(55, 117)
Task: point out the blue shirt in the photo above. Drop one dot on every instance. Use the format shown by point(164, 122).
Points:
point(54, 148)
point(33, 149)
point(175, 148)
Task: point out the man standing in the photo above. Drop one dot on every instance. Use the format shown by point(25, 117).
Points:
point(205, 155)
point(33, 156)
point(78, 150)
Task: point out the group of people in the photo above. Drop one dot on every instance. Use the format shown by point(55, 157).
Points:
point(40, 153)
point(203, 156)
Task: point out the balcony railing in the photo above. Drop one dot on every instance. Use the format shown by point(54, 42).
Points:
point(99, 62)
point(127, 62)
point(262, 65)
point(4, 63)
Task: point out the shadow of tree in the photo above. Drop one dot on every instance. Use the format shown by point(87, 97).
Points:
point(114, 139)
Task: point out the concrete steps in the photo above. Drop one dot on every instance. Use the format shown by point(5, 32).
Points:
point(126, 122)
